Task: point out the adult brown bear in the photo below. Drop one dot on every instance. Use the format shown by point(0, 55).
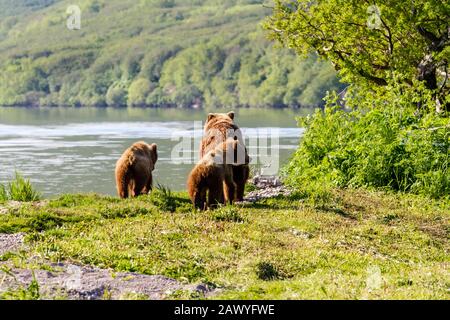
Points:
point(218, 128)
point(134, 170)
point(211, 182)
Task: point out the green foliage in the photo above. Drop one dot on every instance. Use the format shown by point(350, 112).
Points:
point(19, 189)
point(111, 212)
point(45, 221)
point(3, 193)
point(163, 199)
point(116, 96)
point(152, 53)
point(371, 44)
point(227, 214)
point(267, 271)
point(381, 148)
point(138, 92)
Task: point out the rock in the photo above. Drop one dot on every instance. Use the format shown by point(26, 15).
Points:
point(89, 283)
point(263, 182)
point(10, 242)
point(301, 234)
point(268, 187)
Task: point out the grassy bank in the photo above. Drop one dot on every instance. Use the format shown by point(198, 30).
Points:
point(354, 245)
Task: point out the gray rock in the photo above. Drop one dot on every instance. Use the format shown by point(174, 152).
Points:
point(10, 242)
point(88, 283)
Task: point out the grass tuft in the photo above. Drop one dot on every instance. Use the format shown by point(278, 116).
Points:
point(163, 198)
point(20, 189)
point(227, 214)
point(267, 271)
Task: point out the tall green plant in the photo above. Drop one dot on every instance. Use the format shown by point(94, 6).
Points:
point(389, 148)
point(20, 189)
point(3, 193)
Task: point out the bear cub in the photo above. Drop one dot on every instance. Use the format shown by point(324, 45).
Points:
point(211, 182)
point(134, 170)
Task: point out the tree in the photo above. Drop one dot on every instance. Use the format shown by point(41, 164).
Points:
point(116, 95)
point(371, 45)
point(138, 92)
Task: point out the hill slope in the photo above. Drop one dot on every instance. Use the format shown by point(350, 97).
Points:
point(151, 52)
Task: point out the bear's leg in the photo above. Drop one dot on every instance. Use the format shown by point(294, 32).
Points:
point(149, 186)
point(229, 188)
point(200, 199)
point(139, 188)
point(240, 177)
point(215, 194)
point(141, 175)
point(140, 182)
point(123, 179)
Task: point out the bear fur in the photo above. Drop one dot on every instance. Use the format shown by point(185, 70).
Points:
point(134, 170)
point(218, 128)
point(211, 181)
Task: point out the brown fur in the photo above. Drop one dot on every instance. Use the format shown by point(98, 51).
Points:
point(218, 128)
point(211, 181)
point(134, 170)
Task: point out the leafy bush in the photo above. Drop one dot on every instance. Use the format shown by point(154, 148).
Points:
point(19, 189)
point(390, 148)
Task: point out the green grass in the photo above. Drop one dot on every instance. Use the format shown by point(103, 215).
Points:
point(355, 245)
point(20, 189)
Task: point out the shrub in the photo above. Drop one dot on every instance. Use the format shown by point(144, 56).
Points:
point(390, 148)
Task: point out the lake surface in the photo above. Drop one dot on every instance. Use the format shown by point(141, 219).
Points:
point(68, 150)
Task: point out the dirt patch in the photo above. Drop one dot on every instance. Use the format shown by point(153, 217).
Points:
point(74, 282)
point(10, 242)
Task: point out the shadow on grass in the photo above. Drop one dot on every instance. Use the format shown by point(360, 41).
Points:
point(337, 211)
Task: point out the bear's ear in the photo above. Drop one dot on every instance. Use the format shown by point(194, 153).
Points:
point(154, 152)
point(211, 116)
point(231, 115)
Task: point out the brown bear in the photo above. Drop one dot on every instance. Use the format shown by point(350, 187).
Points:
point(212, 177)
point(218, 128)
point(134, 170)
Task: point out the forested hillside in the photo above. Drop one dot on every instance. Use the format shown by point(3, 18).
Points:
point(151, 52)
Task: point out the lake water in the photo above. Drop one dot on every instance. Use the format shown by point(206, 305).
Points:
point(68, 150)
